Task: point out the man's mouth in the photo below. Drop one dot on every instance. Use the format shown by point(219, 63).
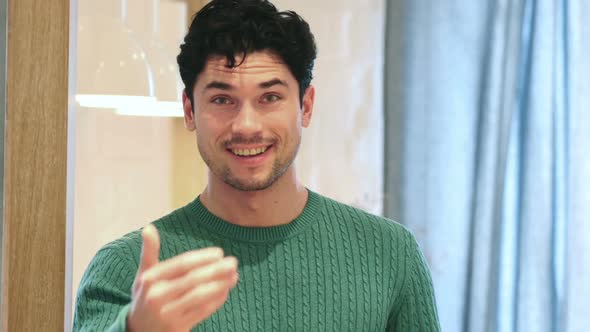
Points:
point(249, 152)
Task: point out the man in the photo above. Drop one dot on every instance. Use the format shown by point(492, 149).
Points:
point(256, 251)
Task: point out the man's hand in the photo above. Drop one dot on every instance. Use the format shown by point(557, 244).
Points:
point(181, 292)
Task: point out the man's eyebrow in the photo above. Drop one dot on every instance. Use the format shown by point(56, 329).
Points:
point(273, 82)
point(218, 85)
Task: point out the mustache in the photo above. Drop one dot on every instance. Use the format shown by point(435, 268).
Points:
point(241, 139)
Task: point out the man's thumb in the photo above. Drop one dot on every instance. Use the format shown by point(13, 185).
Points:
point(150, 248)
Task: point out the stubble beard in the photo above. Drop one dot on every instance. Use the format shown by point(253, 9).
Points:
point(279, 167)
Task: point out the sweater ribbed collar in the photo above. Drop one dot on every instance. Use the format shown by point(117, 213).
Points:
point(225, 229)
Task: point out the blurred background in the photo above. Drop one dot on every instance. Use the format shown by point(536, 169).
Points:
point(467, 122)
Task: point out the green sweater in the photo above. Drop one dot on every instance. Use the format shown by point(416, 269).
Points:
point(334, 268)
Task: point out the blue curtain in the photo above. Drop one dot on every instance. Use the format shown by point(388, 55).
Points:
point(487, 147)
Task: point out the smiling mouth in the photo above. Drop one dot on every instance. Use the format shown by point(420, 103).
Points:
point(249, 152)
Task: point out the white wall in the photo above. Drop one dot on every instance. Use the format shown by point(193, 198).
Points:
point(342, 151)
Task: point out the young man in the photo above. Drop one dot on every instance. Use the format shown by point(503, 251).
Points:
point(256, 251)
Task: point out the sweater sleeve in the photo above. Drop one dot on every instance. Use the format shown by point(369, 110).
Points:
point(417, 306)
point(104, 293)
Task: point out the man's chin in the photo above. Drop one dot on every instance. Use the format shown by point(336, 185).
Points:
point(250, 182)
point(249, 185)
point(258, 180)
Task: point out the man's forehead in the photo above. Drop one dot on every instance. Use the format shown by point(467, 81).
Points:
point(258, 61)
point(257, 68)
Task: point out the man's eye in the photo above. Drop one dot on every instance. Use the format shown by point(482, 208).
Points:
point(271, 98)
point(221, 101)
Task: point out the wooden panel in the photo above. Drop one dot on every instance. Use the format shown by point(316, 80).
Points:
point(35, 174)
point(193, 6)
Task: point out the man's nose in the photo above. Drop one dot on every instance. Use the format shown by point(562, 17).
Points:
point(247, 120)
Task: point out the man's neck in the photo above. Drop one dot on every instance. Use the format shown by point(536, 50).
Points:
point(279, 204)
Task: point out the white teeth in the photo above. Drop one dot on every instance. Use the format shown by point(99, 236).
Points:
point(249, 152)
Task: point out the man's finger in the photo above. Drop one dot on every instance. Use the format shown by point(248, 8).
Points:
point(150, 249)
point(171, 290)
point(201, 296)
point(177, 266)
point(194, 317)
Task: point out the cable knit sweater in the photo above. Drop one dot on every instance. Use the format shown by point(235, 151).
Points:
point(334, 268)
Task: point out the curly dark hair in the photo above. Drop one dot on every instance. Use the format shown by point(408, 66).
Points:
point(240, 27)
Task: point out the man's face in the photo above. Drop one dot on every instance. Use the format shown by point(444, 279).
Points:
point(248, 119)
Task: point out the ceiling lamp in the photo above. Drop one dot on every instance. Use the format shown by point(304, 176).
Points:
point(113, 71)
point(167, 83)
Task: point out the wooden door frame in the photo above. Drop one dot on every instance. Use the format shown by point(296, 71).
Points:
point(35, 175)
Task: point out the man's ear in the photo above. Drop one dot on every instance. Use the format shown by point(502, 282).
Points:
point(189, 114)
point(307, 106)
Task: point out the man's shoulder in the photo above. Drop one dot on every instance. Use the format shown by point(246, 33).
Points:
point(351, 214)
point(125, 249)
point(128, 242)
point(129, 245)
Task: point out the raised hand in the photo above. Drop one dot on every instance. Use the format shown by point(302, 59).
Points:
point(179, 293)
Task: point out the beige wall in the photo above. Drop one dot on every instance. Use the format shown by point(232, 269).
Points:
point(342, 151)
point(131, 170)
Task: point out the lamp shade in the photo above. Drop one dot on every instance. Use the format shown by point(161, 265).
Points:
point(112, 65)
point(143, 20)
